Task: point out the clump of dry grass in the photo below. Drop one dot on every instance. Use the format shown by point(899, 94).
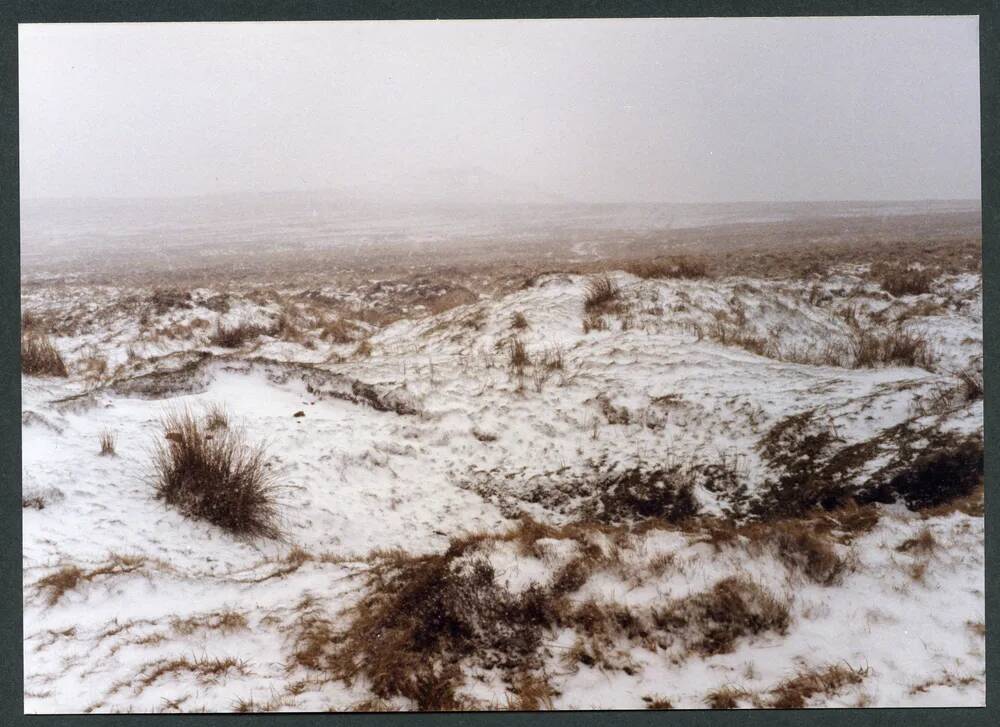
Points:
point(40, 357)
point(898, 279)
point(364, 349)
point(29, 320)
point(235, 335)
point(714, 619)
point(657, 702)
point(55, 585)
point(206, 670)
point(922, 542)
point(530, 693)
point(518, 358)
point(423, 616)
point(215, 477)
point(226, 621)
point(971, 379)
point(107, 440)
point(726, 697)
point(594, 323)
point(600, 292)
point(800, 545)
point(869, 347)
point(339, 330)
point(216, 417)
point(518, 321)
point(796, 691)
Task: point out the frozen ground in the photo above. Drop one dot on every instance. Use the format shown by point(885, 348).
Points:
point(428, 431)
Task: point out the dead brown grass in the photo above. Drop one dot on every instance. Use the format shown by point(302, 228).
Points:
point(715, 619)
point(225, 621)
point(67, 578)
point(946, 679)
point(796, 691)
point(903, 279)
point(726, 697)
point(923, 542)
point(657, 702)
point(600, 292)
point(107, 441)
point(40, 357)
point(237, 334)
point(216, 477)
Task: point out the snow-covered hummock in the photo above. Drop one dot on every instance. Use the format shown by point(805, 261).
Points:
point(359, 479)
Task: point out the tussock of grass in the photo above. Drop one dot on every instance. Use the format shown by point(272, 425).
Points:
point(40, 357)
point(656, 702)
point(215, 477)
point(971, 379)
point(726, 697)
point(795, 692)
point(518, 358)
point(594, 322)
point(216, 417)
point(234, 336)
point(871, 347)
point(897, 279)
point(600, 292)
point(518, 321)
point(107, 441)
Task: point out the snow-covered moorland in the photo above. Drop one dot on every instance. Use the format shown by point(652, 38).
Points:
point(649, 485)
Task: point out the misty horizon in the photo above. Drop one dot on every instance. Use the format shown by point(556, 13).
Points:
point(632, 111)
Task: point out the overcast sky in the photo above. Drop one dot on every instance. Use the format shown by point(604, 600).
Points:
point(622, 110)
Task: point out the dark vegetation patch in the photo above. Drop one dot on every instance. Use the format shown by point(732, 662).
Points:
point(215, 476)
point(903, 279)
point(866, 345)
point(601, 493)
point(236, 334)
point(601, 292)
point(920, 466)
point(639, 493)
point(163, 300)
point(40, 357)
point(731, 609)
point(425, 619)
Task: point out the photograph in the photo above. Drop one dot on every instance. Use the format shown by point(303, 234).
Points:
point(510, 364)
